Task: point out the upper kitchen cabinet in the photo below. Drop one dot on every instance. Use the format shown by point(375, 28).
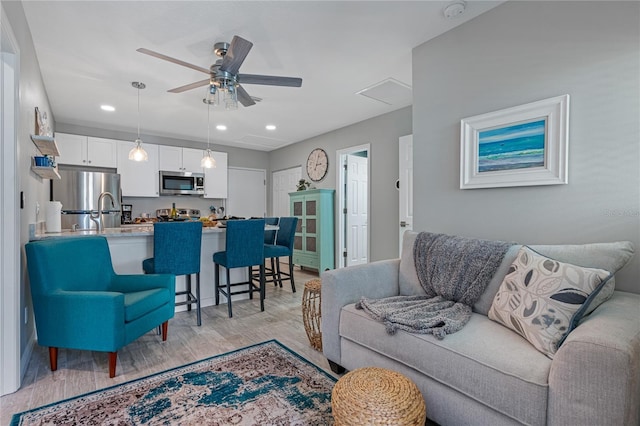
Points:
point(215, 179)
point(138, 178)
point(177, 159)
point(86, 151)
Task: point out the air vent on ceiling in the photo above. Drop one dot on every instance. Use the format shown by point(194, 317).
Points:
point(389, 91)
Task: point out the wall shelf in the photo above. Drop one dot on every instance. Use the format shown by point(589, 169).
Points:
point(46, 145)
point(46, 172)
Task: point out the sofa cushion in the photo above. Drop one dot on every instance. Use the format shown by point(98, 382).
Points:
point(543, 299)
point(485, 361)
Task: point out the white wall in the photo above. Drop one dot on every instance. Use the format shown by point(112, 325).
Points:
point(517, 53)
point(32, 94)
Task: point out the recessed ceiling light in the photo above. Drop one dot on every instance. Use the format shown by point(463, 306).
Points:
point(221, 127)
point(270, 127)
point(107, 108)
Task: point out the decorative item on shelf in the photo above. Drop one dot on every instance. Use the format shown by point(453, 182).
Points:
point(42, 124)
point(138, 153)
point(208, 161)
point(302, 185)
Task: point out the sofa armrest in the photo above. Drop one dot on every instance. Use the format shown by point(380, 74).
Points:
point(341, 287)
point(595, 375)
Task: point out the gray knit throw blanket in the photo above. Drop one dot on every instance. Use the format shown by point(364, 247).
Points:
point(454, 272)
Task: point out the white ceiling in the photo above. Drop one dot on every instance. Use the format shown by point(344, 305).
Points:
point(87, 55)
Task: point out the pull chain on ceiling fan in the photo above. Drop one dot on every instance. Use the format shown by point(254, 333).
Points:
point(224, 79)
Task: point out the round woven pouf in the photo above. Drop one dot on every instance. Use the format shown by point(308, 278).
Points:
point(312, 313)
point(377, 396)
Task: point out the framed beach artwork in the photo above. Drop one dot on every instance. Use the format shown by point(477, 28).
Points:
point(520, 146)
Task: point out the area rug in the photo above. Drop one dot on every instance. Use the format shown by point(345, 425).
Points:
point(263, 384)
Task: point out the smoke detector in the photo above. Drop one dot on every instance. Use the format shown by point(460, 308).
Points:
point(454, 9)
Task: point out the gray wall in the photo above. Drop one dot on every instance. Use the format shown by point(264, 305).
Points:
point(517, 53)
point(382, 134)
point(32, 95)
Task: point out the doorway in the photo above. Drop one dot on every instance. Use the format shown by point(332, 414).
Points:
point(10, 369)
point(352, 197)
point(283, 182)
point(405, 186)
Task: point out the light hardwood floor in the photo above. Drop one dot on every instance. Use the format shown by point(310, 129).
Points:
point(84, 371)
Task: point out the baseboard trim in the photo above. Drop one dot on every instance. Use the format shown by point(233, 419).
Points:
point(26, 357)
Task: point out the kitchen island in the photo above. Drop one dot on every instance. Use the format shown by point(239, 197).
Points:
point(131, 244)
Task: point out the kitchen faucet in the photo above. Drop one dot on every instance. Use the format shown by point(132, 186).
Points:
point(98, 217)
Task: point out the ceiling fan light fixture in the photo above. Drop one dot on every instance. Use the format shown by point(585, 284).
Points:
point(138, 153)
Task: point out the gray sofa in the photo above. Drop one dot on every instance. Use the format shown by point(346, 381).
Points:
point(486, 374)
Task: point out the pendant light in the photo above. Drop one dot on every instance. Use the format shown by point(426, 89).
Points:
point(138, 153)
point(208, 162)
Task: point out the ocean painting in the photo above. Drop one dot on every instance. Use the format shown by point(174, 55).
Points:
point(518, 146)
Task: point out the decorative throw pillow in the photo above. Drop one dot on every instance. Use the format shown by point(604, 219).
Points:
point(543, 299)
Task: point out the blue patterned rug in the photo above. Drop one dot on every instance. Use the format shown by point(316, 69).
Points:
point(264, 384)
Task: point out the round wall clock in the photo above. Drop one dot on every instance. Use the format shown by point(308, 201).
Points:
point(317, 164)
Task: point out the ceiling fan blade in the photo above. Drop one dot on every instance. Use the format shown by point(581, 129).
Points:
point(270, 80)
point(174, 60)
point(244, 97)
point(237, 52)
point(190, 86)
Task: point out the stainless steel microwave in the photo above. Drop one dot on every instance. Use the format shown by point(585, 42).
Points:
point(181, 183)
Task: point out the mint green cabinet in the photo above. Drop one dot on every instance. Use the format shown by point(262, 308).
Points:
point(313, 245)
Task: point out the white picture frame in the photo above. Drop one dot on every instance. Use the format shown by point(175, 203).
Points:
point(524, 145)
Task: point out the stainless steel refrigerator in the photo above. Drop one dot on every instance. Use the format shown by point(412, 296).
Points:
point(79, 191)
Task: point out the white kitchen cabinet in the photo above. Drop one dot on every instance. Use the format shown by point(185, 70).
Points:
point(216, 179)
point(177, 159)
point(138, 178)
point(86, 151)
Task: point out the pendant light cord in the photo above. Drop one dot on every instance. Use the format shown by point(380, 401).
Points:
point(208, 124)
point(138, 111)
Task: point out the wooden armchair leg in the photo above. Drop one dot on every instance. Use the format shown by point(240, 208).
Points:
point(165, 329)
point(53, 358)
point(113, 358)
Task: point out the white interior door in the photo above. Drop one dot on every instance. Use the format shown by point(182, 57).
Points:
point(405, 168)
point(247, 192)
point(283, 182)
point(357, 214)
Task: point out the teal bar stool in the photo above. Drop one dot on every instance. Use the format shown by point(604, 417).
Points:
point(244, 249)
point(79, 302)
point(283, 246)
point(269, 240)
point(176, 250)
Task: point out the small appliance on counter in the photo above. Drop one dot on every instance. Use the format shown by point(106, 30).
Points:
point(127, 214)
point(164, 215)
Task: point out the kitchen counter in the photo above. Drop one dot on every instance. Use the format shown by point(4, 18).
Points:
point(124, 231)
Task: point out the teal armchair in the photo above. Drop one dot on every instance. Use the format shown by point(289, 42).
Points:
point(79, 302)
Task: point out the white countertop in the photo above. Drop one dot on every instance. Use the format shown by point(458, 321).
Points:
point(124, 231)
point(138, 230)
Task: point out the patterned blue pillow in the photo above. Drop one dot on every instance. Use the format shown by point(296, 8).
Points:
point(543, 299)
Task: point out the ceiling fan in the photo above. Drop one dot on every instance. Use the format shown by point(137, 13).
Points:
point(223, 74)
